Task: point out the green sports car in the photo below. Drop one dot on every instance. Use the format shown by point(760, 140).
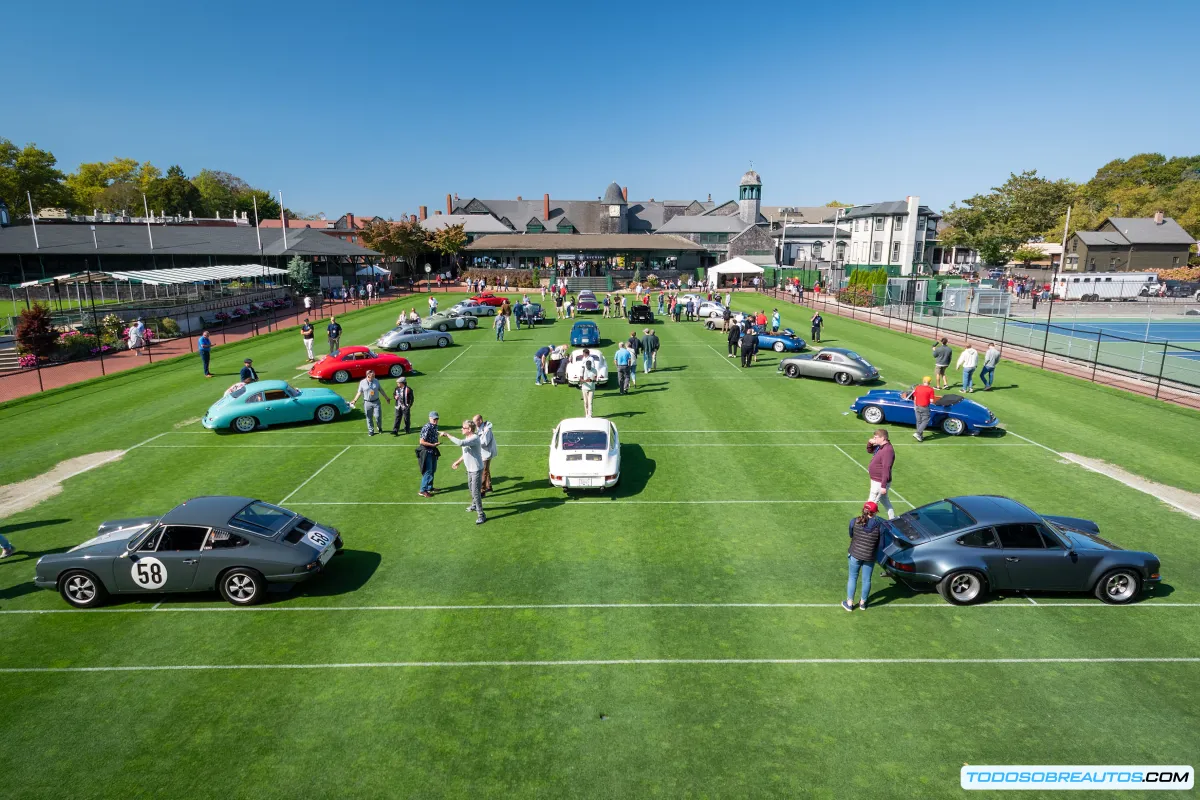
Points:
point(246, 406)
point(449, 321)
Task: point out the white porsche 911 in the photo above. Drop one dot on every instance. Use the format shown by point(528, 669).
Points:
point(575, 365)
point(585, 453)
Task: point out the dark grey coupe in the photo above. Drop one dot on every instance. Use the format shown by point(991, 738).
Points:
point(969, 546)
point(236, 545)
point(834, 363)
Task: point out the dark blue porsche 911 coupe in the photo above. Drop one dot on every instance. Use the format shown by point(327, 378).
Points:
point(953, 413)
point(585, 334)
point(969, 546)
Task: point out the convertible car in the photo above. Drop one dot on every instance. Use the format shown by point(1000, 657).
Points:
point(585, 334)
point(708, 309)
point(713, 323)
point(969, 546)
point(782, 341)
point(412, 334)
point(575, 366)
point(488, 299)
point(585, 454)
point(953, 413)
point(447, 320)
point(586, 303)
point(246, 406)
point(532, 312)
point(236, 545)
point(353, 362)
point(836, 363)
point(471, 308)
point(641, 313)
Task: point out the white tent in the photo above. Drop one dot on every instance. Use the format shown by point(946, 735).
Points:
point(372, 271)
point(164, 277)
point(734, 266)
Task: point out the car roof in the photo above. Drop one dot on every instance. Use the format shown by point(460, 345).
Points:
point(262, 386)
point(584, 424)
point(212, 510)
point(844, 351)
point(357, 348)
point(994, 510)
point(584, 323)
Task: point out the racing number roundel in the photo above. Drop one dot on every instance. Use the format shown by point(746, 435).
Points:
point(149, 573)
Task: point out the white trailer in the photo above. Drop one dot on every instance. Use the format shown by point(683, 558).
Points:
point(1093, 286)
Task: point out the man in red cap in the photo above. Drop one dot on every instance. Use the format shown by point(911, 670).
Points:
point(865, 530)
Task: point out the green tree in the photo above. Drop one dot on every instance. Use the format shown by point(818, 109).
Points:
point(33, 170)
point(268, 206)
point(837, 204)
point(997, 223)
point(115, 185)
point(1027, 254)
point(449, 241)
point(301, 275)
point(219, 190)
point(175, 194)
point(405, 239)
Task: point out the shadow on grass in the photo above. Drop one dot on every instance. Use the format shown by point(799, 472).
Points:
point(895, 590)
point(37, 523)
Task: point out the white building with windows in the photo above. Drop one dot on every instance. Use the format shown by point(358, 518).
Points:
point(803, 243)
point(897, 235)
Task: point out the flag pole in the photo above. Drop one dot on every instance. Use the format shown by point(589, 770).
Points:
point(33, 217)
point(283, 220)
point(149, 232)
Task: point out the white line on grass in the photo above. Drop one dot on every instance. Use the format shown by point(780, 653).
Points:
point(926, 446)
point(456, 358)
point(723, 357)
point(560, 500)
point(868, 471)
point(315, 474)
point(614, 662)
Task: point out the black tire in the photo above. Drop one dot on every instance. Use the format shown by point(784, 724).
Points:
point(843, 378)
point(873, 415)
point(443, 341)
point(81, 589)
point(341, 376)
point(325, 413)
point(953, 427)
point(962, 587)
point(403, 346)
point(1119, 586)
point(242, 586)
point(443, 327)
point(396, 370)
point(244, 424)
point(777, 347)
point(472, 324)
point(792, 371)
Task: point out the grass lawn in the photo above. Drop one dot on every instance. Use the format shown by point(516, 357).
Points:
point(679, 635)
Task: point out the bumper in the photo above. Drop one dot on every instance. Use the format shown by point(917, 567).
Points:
point(911, 577)
point(45, 583)
point(583, 481)
point(210, 423)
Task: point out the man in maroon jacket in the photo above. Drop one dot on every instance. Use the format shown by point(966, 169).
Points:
point(880, 470)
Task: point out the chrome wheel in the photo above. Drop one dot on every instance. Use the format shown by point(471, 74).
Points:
point(341, 376)
point(326, 414)
point(873, 414)
point(792, 371)
point(245, 424)
point(953, 426)
point(843, 379)
point(1119, 586)
point(779, 347)
point(442, 341)
point(961, 588)
point(81, 588)
point(240, 587)
point(396, 370)
point(403, 346)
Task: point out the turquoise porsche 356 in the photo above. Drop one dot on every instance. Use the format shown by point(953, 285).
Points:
point(246, 406)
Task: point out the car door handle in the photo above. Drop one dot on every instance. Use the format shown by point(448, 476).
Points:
point(1014, 560)
point(190, 561)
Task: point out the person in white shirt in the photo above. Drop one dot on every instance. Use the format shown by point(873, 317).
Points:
point(968, 360)
point(990, 359)
point(487, 445)
point(432, 305)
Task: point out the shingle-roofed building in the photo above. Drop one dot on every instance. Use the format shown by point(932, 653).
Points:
point(1129, 244)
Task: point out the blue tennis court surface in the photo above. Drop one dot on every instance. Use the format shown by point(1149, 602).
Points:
point(1173, 332)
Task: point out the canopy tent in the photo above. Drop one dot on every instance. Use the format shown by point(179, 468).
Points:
point(373, 271)
point(165, 277)
point(734, 266)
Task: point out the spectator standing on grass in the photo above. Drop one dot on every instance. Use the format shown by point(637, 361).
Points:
point(883, 456)
point(647, 351)
point(506, 312)
point(248, 374)
point(204, 345)
point(775, 320)
point(607, 304)
point(403, 397)
point(865, 531)
point(654, 345)
point(500, 327)
point(622, 360)
point(334, 332)
point(733, 339)
point(587, 382)
point(921, 396)
point(472, 458)
point(428, 454)
point(660, 303)
point(990, 359)
point(941, 362)
point(634, 345)
point(306, 334)
point(432, 305)
point(558, 306)
point(487, 446)
point(968, 360)
point(371, 393)
point(749, 345)
point(519, 312)
point(818, 322)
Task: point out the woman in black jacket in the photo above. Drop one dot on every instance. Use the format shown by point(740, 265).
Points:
point(865, 530)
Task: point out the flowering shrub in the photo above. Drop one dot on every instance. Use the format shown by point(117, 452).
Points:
point(238, 312)
point(221, 316)
point(27, 361)
point(169, 326)
point(73, 345)
point(255, 308)
point(858, 295)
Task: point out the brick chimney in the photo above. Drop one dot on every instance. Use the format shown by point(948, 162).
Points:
point(423, 211)
point(449, 208)
point(1158, 218)
point(519, 198)
point(437, 213)
point(350, 221)
point(625, 193)
point(546, 206)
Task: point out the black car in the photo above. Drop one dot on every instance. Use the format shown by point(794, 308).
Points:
point(532, 312)
point(641, 313)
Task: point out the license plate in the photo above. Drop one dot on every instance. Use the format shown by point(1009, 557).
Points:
point(583, 481)
point(328, 554)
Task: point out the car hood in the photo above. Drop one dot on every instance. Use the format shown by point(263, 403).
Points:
point(1088, 541)
point(113, 536)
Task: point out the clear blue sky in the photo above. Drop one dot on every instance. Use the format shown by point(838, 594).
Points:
point(377, 107)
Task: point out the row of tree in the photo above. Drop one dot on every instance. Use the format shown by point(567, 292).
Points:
point(408, 240)
point(1031, 208)
point(119, 184)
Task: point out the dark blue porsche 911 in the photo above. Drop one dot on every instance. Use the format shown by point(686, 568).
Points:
point(953, 413)
point(585, 334)
point(971, 545)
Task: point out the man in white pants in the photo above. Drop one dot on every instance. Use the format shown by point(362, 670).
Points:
point(587, 382)
point(880, 470)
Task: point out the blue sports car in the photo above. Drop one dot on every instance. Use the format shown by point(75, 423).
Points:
point(784, 341)
point(969, 546)
point(585, 334)
point(246, 406)
point(953, 413)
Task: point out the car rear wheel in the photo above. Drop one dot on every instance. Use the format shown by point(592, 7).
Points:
point(443, 341)
point(81, 589)
point(245, 424)
point(326, 414)
point(472, 324)
point(1119, 586)
point(953, 426)
point(242, 587)
point(962, 587)
point(792, 371)
point(778, 347)
point(341, 376)
point(873, 414)
point(396, 370)
point(443, 327)
point(403, 346)
point(843, 379)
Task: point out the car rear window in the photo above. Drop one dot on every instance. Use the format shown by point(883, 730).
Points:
point(940, 517)
point(584, 440)
point(262, 518)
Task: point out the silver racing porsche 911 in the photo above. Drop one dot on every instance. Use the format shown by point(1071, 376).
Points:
point(236, 545)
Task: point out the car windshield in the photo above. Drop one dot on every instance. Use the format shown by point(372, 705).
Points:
point(940, 517)
point(262, 518)
point(584, 440)
point(292, 391)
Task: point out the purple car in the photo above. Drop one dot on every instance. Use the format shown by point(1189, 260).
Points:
point(586, 302)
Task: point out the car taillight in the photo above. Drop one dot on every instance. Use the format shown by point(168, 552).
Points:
point(610, 477)
point(554, 477)
point(902, 567)
point(312, 565)
point(1154, 576)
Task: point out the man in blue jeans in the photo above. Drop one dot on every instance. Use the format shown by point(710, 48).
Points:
point(204, 345)
point(429, 454)
point(988, 374)
point(539, 358)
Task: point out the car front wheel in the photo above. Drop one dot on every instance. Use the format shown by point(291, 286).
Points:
point(242, 587)
point(443, 327)
point(396, 370)
point(1119, 586)
point(443, 341)
point(873, 414)
point(843, 379)
point(245, 424)
point(792, 371)
point(962, 587)
point(341, 376)
point(82, 589)
point(778, 347)
point(403, 346)
point(326, 414)
point(953, 426)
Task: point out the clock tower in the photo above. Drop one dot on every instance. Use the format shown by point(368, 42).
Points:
point(614, 219)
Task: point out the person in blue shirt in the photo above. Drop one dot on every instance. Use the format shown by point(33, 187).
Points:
point(334, 331)
point(247, 375)
point(775, 320)
point(539, 358)
point(204, 345)
point(518, 312)
point(624, 361)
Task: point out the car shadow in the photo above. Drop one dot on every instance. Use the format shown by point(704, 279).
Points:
point(346, 572)
point(636, 471)
point(622, 414)
point(26, 559)
point(680, 368)
point(503, 485)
